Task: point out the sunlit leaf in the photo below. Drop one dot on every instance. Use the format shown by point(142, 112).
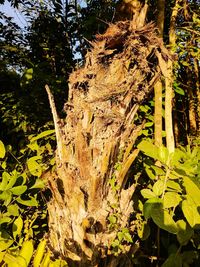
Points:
point(17, 227)
point(5, 180)
point(39, 183)
point(18, 190)
point(5, 240)
point(191, 213)
point(42, 135)
point(171, 199)
point(158, 187)
point(13, 210)
point(147, 193)
point(32, 202)
point(34, 168)
point(2, 150)
point(163, 219)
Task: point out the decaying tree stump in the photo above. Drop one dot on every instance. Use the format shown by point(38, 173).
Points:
point(95, 144)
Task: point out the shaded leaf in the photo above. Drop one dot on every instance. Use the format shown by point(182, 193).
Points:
point(185, 232)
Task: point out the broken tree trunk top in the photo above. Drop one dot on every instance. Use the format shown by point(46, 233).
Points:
point(99, 134)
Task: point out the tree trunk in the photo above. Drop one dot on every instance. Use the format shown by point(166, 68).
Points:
point(91, 192)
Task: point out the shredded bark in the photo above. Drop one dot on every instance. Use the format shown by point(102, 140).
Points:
point(99, 134)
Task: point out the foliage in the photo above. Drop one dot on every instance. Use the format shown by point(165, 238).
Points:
point(23, 212)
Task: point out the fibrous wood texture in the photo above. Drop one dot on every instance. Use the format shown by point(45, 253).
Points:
point(96, 143)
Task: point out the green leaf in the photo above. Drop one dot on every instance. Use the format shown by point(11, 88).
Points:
point(147, 193)
point(18, 190)
point(149, 205)
point(185, 232)
point(17, 227)
point(39, 184)
point(164, 220)
point(34, 168)
point(158, 188)
point(172, 185)
point(2, 150)
point(149, 149)
point(4, 182)
point(5, 195)
point(171, 199)
point(112, 219)
point(190, 211)
point(192, 190)
point(42, 135)
point(127, 237)
point(174, 260)
point(13, 210)
point(5, 219)
point(5, 240)
point(190, 256)
point(12, 180)
point(32, 202)
point(163, 153)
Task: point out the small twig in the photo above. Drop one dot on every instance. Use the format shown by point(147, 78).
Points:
point(56, 121)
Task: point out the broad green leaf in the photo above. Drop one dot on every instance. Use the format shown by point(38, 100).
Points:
point(164, 220)
point(163, 153)
point(40, 253)
point(39, 183)
point(25, 254)
point(172, 185)
point(5, 219)
point(158, 171)
point(5, 240)
point(171, 199)
point(2, 150)
point(149, 205)
point(33, 146)
point(5, 195)
point(12, 180)
point(149, 149)
point(147, 193)
point(17, 227)
point(8, 199)
point(5, 180)
point(42, 135)
point(185, 232)
point(34, 168)
point(32, 202)
point(13, 210)
point(174, 260)
point(190, 211)
point(158, 188)
point(192, 190)
point(189, 256)
point(150, 173)
point(18, 190)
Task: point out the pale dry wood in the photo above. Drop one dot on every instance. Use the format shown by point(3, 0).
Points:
point(99, 134)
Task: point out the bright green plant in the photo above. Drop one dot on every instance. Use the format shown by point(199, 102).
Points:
point(172, 194)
